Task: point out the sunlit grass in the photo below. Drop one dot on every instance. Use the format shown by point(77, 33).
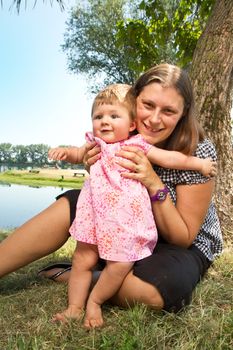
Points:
point(27, 304)
point(54, 179)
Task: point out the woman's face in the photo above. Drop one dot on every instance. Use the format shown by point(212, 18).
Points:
point(158, 111)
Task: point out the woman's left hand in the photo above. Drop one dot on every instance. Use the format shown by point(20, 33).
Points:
point(138, 165)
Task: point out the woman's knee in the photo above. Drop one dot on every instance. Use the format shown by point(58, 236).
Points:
point(118, 269)
point(134, 290)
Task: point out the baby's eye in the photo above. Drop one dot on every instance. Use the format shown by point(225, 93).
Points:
point(97, 117)
point(114, 116)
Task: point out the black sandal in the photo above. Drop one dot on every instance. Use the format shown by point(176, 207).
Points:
point(65, 266)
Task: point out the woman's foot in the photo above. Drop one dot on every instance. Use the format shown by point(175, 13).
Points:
point(93, 317)
point(71, 313)
point(59, 272)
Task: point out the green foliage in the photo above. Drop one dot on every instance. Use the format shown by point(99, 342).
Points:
point(5, 152)
point(115, 41)
point(169, 30)
point(36, 154)
point(91, 42)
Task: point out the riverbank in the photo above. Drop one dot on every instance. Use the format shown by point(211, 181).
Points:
point(45, 177)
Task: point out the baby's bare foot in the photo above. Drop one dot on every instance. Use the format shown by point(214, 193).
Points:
point(72, 312)
point(93, 317)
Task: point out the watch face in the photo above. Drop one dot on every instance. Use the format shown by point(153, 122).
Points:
point(160, 195)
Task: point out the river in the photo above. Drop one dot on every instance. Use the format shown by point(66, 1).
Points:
point(19, 203)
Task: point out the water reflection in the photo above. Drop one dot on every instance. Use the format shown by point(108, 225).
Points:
point(2, 183)
point(19, 203)
point(5, 167)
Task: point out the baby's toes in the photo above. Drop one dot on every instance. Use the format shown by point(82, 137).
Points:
point(93, 323)
point(60, 317)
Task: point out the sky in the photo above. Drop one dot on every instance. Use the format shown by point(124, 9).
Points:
point(40, 101)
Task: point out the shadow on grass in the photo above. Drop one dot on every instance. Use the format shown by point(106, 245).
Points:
point(17, 281)
point(27, 277)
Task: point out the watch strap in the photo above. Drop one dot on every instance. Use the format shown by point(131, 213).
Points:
point(160, 195)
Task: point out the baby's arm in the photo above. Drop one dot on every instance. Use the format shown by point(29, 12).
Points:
point(72, 155)
point(180, 161)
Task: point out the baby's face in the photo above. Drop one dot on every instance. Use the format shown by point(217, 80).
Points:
point(112, 123)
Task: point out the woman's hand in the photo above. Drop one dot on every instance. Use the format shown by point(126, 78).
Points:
point(139, 166)
point(92, 155)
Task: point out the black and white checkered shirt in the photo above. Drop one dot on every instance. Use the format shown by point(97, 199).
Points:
point(209, 238)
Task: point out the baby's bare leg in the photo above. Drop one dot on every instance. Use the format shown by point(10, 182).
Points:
point(107, 285)
point(84, 259)
point(38, 237)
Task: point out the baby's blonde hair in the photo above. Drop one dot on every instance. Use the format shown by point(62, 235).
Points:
point(119, 94)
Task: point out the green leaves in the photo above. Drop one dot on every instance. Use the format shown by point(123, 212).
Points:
point(35, 153)
point(169, 30)
point(91, 43)
point(115, 41)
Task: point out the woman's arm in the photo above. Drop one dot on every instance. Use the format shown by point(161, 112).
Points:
point(178, 224)
point(178, 160)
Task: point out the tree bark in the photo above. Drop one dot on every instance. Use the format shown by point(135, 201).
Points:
point(212, 76)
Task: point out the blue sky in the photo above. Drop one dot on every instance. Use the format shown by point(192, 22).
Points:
point(40, 101)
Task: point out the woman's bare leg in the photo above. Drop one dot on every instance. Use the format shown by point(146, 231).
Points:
point(38, 237)
point(134, 290)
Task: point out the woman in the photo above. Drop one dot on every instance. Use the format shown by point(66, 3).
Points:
point(189, 231)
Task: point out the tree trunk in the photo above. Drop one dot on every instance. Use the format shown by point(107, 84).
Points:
point(212, 76)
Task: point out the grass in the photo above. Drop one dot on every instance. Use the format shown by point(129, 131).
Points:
point(47, 177)
point(27, 304)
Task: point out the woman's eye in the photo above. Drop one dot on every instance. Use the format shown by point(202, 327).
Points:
point(148, 105)
point(168, 112)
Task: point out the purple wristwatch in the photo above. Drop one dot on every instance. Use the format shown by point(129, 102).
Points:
point(160, 195)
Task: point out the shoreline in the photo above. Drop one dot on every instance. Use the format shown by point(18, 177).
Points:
point(73, 178)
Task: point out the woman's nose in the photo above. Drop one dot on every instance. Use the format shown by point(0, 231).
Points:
point(155, 117)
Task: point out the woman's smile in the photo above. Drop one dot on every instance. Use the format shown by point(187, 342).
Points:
point(151, 129)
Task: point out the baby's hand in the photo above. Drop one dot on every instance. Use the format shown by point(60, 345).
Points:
point(59, 153)
point(209, 167)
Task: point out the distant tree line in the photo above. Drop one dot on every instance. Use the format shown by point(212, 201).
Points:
point(31, 155)
point(36, 154)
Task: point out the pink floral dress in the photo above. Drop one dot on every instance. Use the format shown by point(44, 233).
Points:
point(112, 212)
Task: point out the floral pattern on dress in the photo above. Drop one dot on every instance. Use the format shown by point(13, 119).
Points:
point(115, 213)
